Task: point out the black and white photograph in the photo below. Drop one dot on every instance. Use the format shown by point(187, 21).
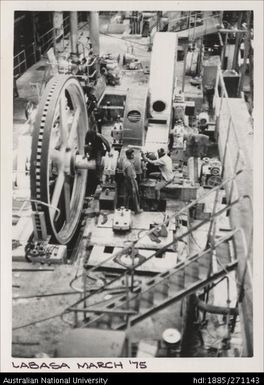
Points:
point(132, 161)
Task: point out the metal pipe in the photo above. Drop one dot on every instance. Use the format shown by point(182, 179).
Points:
point(104, 310)
point(83, 163)
point(225, 310)
point(184, 66)
point(94, 32)
point(226, 30)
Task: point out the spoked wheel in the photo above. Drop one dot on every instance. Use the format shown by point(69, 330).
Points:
point(59, 134)
point(214, 180)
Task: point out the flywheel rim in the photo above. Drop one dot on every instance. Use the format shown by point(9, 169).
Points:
point(66, 190)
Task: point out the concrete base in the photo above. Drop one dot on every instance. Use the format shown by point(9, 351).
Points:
point(91, 343)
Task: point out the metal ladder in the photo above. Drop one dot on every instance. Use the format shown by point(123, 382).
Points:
point(167, 287)
point(161, 291)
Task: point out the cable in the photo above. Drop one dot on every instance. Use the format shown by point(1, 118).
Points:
point(36, 322)
point(119, 38)
point(201, 248)
point(227, 272)
point(72, 282)
point(44, 295)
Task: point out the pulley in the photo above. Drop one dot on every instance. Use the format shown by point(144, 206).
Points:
point(58, 138)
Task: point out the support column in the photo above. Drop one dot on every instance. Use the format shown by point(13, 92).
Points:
point(237, 44)
point(224, 51)
point(57, 29)
point(33, 15)
point(247, 45)
point(94, 32)
point(185, 47)
point(74, 31)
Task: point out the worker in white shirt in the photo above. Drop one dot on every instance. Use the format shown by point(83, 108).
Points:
point(164, 163)
point(117, 131)
point(118, 124)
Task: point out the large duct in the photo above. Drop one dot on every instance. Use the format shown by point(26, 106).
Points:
point(162, 76)
point(161, 90)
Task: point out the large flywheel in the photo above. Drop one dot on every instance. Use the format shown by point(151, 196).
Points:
point(58, 188)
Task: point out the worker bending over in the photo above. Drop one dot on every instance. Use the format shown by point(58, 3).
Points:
point(95, 148)
point(164, 163)
point(131, 186)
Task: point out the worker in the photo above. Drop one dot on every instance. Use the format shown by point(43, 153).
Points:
point(117, 131)
point(30, 112)
point(164, 163)
point(98, 119)
point(118, 124)
point(196, 145)
point(176, 135)
point(131, 185)
point(95, 147)
point(209, 90)
point(108, 111)
point(150, 168)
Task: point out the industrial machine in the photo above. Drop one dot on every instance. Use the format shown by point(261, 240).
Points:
point(211, 171)
point(59, 165)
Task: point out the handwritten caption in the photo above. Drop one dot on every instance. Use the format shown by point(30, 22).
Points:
point(130, 364)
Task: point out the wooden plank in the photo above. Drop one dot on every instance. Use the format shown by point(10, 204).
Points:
point(107, 237)
point(139, 222)
point(156, 265)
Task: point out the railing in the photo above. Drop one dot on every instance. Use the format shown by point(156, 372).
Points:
point(20, 63)
point(46, 40)
point(235, 155)
point(30, 55)
point(191, 22)
point(66, 25)
point(234, 158)
point(24, 59)
point(132, 244)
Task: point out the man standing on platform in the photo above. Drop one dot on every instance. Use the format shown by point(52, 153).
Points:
point(131, 186)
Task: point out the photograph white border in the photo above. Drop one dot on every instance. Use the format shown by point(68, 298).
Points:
point(191, 364)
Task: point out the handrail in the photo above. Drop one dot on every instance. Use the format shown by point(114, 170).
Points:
point(247, 237)
point(191, 16)
point(18, 54)
point(44, 34)
point(231, 124)
point(179, 266)
point(177, 215)
point(20, 62)
point(176, 239)
point(188, 19)
point(31, 46)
